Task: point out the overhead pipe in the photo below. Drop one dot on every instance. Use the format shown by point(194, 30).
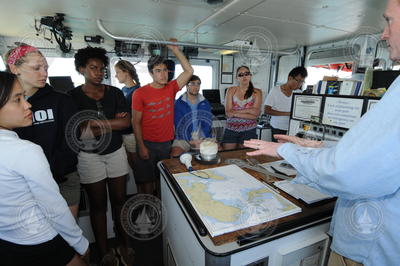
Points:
point(219, 11)
point(189, 44)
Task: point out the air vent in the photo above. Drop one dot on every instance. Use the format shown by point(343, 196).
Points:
point(336, 55)
point(215, 2)
point(199, 3)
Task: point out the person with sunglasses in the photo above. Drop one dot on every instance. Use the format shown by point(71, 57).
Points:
point(192, 118)
point(279, 100)
point(242, 107)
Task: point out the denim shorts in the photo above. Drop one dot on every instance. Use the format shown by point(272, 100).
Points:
point(231, 136)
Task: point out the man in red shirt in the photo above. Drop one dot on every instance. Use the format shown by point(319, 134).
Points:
point(153, 119)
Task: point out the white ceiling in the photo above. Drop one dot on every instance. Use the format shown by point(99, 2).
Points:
point(279, 24)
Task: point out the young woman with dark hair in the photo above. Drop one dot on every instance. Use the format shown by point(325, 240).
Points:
point(36, 227)
point(242, 107)
point(107, 166)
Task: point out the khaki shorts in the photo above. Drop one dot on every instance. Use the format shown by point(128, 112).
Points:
point(183, 144)
point(71, 189)
point(93, 167)
point(129, 142)
point(338, 260)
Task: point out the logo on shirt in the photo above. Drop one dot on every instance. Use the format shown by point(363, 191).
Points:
point(43, 116)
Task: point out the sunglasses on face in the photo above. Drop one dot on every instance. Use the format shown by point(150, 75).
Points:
point(244, 74)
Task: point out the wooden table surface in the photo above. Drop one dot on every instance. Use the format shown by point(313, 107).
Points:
point(310, 213)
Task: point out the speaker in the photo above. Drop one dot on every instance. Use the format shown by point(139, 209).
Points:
point(61, 83)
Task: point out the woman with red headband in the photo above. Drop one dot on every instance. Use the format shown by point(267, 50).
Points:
point(51, 112)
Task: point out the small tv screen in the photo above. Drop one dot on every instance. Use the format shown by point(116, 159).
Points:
point(383, 79)
point(212, 96)
point(62, 83)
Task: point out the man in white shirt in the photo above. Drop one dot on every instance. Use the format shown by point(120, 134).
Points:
point(279, 101)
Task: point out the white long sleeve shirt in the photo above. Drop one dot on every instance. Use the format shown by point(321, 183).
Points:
point(32, 211)
point(363, 171)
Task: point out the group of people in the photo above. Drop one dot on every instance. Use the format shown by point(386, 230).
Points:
point(162, 128)
point(40, 174)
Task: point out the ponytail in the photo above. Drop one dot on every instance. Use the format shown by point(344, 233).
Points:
point(249, 91)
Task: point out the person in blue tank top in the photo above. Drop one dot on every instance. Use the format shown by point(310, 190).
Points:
point(125, 72)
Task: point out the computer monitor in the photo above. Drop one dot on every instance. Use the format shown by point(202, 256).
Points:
point(342, 112)
point(212, 96)
point(383, 78)
point(62, 83)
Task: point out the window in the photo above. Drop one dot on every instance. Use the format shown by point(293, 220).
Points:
point(202, 68)
point(2, 65)
point(205, 73)
point(141, 70)
point(285, 65)
point(396, 67)
point(64, 67)
point(317, 73)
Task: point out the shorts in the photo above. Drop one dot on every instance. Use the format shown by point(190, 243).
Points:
point(93, 167)
point(71, 189)
point(55, 252)
point(146, 170)
point(277, 131)
point(181, 143)
point(231, 136)
point(129, 142)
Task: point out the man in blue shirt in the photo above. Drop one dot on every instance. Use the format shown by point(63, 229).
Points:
point(362, 170)
point(192, 118)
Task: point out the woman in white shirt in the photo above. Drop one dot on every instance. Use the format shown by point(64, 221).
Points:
point(36, 226)
point(279, 101)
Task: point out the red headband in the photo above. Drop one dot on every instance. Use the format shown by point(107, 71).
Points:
point(19, 52)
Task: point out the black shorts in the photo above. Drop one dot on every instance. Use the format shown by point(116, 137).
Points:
point(231, 136)
point(52, 253)
point(146, 170)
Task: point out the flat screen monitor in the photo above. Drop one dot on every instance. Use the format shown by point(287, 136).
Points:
point(383, 79)
point(342, 112)
point(212, 96)
point(62, 83)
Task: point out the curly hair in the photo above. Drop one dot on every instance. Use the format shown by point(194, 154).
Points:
point(83, 55)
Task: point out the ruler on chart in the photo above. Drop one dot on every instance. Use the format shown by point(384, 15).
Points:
point(255, 167)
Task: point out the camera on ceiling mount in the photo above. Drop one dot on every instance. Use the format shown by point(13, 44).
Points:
point(54, 24)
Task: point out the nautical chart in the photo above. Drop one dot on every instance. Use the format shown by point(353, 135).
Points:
point(229, 199)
